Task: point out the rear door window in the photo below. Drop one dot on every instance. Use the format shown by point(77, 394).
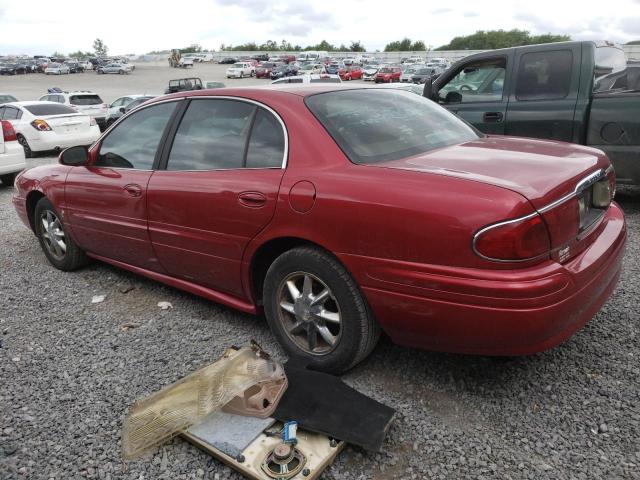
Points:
point(544, 75)
point(212, 135)
point(480, 81)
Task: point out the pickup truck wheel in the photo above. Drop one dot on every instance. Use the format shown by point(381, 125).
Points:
point(316, 311)
point(28, 153)
point(8, 179)
point(59, 248)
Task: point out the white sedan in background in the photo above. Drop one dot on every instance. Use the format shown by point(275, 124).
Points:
point(57, 69)
point(43, 126)
point(11, 154)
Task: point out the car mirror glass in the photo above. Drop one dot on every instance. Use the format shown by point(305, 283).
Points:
point(74, 156)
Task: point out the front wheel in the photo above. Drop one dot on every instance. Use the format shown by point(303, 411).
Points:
point(317, 312)
point(59, 248)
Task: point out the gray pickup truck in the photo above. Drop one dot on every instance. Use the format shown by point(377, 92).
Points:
point(581, 92)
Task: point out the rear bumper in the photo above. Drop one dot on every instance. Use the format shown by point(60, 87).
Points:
point(497, 312)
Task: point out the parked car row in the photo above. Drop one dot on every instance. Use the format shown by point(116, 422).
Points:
point(63, 66)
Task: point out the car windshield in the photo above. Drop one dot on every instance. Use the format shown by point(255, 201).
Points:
point(7, 98)
point(424, 71)
point(49, 109)
point(385, 70)
point(85, 100)
point(237, 65)
point(380, 125)
point(54, 65)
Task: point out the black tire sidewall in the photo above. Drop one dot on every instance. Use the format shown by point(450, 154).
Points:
point(73, 257)
point(352, 306)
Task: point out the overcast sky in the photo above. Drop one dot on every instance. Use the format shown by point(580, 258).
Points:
point(38, 27)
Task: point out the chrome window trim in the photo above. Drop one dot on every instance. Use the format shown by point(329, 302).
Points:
point(285, 132)
point(583, 184)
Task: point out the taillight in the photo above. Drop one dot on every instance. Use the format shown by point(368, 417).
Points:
point(40, 125)
point(8, 132)
point(513, 240)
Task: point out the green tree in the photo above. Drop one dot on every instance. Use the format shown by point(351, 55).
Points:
point(193, 48)
point(418, 46)
point(80, 54)
point(99, 48)
point(269, 46)
point(403, 45)
point(491, 39)
point(322, 46)
point(57, 55)
point(357, 47)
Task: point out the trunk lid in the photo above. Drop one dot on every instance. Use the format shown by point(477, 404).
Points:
point(542, 171)
point(69, 123)
point(559, 179)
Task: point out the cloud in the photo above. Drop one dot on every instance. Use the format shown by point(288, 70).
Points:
point(470, 14)
point(440, 11)
point(630, 25)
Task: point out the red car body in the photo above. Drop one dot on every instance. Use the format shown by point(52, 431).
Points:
point(388, 75)
point(263, 70)
point(350, 73)
point(404, 229)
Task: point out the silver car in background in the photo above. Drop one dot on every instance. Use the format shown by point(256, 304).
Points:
point(56, 69)
point(121, 68)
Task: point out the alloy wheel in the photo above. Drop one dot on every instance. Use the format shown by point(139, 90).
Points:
point(53, 234)
point(309, 313)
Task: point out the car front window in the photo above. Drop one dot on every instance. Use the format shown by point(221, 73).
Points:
point(134, 141)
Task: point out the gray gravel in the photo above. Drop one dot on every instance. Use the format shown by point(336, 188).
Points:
point(69, 371)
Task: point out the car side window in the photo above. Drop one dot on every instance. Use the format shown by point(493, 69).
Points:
point(2, 110)
point(481, 81)
point(11, 113)
point(266, 142)
point(212, 135)
point(544, 75)
point(133, 142)
point(118, 102)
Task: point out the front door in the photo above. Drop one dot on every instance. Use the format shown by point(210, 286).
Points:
point(476, 91)
point(106, 201)
point(217, 190)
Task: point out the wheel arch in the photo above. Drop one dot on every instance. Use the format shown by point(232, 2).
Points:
point(266, 254)
point(33, 197)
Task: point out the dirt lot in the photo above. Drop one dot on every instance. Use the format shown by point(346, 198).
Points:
point(147, 78)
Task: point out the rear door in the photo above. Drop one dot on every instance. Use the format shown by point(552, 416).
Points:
point(217, 191)
point(542, 103)
point(106, 201)
point(477, 91)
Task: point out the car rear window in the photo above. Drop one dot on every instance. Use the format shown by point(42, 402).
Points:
point(49, 109)
point(85, 100)
point(379, 125)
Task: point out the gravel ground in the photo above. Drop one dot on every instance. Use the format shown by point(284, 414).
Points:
point(70, 370)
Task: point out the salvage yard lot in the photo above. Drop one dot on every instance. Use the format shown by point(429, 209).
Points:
point(151, 78)
point(70, 368)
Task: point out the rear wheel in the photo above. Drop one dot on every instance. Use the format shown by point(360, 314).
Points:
point(317, 312)
point(28, 153)
point(59, 248)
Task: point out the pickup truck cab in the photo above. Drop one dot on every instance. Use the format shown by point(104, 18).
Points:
point(556, 91)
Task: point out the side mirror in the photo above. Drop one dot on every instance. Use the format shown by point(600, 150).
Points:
point(121, 109)
point(428, 89)
point(74, 156)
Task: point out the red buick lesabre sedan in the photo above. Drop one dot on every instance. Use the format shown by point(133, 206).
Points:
point(341, 212)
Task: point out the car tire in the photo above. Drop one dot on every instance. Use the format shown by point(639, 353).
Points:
point(66, 258)
point(8, 179)
point(121, 72)
point(336, 332)
point(28, 153)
